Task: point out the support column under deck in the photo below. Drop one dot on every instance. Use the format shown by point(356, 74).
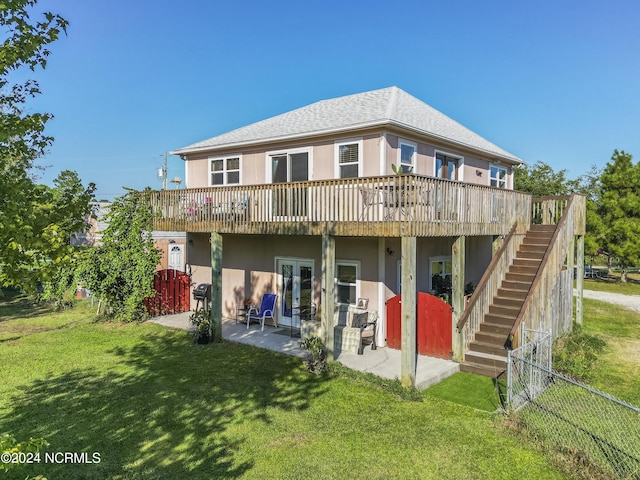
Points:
point(408, 344)
point(216, 287)
point(457, 296)
point(328, 291)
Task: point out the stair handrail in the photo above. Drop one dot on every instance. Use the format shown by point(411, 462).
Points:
point(482, 284)
point(541, 270)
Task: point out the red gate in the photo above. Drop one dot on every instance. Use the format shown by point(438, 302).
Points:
point(172, 293)
point(433, 329)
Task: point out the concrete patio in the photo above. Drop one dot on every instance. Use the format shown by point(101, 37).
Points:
point(383, 362)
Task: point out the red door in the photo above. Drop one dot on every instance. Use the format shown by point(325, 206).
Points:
point(433, 329)
point(172, 293)
point(434, 326)
point(394, 316)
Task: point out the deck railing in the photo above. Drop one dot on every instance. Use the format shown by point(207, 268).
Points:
point(398, 205)
point(488, 286)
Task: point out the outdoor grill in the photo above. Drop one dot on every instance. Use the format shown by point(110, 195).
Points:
point(202, 292)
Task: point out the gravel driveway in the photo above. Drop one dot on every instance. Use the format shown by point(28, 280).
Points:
point(632, 302)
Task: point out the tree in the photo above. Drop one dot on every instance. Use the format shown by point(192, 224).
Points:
point(540, 180)
point(35, 220)
point(590, 186)
point(42, 221)
point(619, 210)
point(121, 270)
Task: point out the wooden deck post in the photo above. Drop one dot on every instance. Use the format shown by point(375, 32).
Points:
point(579, 278)
point(216, 287)
point(328, 291)
point(457, 296)
point(408, 346)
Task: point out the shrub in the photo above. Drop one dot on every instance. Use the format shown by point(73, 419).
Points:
point(316, 360)
point(576, 354)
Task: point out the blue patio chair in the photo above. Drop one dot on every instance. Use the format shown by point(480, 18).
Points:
point(267, 310)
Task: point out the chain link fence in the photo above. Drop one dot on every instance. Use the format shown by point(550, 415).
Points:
point(590, 424)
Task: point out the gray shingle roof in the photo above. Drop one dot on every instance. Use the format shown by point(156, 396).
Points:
point(387, 106)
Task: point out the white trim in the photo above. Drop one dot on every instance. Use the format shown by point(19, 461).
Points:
point(383, 153)
point(458, 157)
point(288, 151)
point(355, 263)
point(224, 170)
point(336, 154)
point(414, 157)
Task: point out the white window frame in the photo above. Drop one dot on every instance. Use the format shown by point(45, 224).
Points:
point(455, 156)
point(287, 151)
point(439, 258)
point(409, 143)
point(355, 263)
point(336, 155)
point(506, 175)
point(225, 171)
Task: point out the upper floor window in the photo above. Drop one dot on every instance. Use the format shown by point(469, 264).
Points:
point(349, 158)
point(407, 155)
point(289, 166)
point(498, 176)
point(447, 166)
point(224, 171)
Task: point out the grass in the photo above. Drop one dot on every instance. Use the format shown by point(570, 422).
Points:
point(617, 371)
point(154, 405)
point(613, 284)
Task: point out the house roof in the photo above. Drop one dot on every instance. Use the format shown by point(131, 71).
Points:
point(387, 106)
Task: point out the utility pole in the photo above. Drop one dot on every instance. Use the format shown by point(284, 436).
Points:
point(164, 172)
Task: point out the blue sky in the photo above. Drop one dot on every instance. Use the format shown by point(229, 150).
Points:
point(550, 80)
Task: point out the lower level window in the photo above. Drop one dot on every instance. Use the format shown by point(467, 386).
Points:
point(441, 270)
point(346, 281)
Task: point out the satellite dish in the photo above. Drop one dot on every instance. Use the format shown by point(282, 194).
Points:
point(176, 181)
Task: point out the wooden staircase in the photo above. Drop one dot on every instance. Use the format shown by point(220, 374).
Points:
point(487, 354)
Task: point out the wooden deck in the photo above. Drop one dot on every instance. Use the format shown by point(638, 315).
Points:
point(388, 206)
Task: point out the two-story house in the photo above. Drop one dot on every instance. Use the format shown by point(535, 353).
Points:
point(363, 196)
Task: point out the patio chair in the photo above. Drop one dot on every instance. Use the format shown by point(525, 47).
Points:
point(267, 310)
point(366, 323)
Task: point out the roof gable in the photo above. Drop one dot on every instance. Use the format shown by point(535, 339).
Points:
point(387, 106)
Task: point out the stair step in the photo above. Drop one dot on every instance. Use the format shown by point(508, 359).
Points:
point(542, 228)
point(496, 328)
point(520, 277)
point(515, 285)
point(530, 255)
point(483, 370)
point(526, 269)
point(512, 294)
point(508, 302)
point(539, 248)
point(487, 337)
point(501, 319)
point(526, 262)
point(504, 310)
point(488, 359)
point(484, 347)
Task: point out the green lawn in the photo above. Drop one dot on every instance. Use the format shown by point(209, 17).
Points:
point(618, 369)
point(631, 287)
point(155, 406)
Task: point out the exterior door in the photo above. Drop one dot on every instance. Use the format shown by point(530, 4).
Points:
point(296, 289)
point(285, 168)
